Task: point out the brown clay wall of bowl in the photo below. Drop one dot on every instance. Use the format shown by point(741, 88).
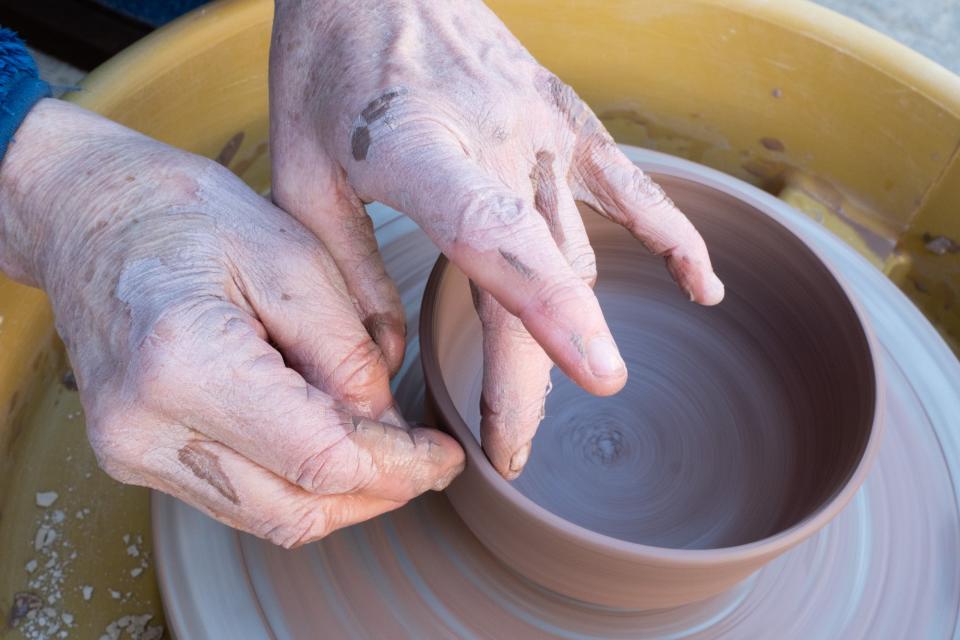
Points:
point(739, 422)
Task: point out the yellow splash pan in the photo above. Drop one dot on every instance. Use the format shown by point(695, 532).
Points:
point(857, 131)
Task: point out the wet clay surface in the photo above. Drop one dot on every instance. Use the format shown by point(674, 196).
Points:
point(886, 567)
point(737, 421)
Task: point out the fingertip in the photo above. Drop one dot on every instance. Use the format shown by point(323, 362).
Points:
point(696, 279)
point(518, 461)
point(445, 480)
point(713, 291)
point(606, 371)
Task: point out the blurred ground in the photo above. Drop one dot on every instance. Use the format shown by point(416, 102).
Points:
point(931, 27)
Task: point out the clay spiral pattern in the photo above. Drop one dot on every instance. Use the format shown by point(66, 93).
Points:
point(887, 567)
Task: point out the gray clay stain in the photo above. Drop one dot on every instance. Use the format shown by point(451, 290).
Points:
point(206, 466)
point(518, 265)
point(376, 109)
point(360, 143)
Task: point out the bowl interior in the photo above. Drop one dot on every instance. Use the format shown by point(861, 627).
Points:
point(737, 422)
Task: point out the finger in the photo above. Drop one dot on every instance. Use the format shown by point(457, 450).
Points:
point(516, 371)
point(302, 301)
point(317, 195)
point(234, 490)
point(500, 241)
point(221, 380)
point(516, 381)
point(617, 188)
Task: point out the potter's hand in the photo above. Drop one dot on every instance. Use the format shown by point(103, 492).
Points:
point(434, 108)
point(168, 276)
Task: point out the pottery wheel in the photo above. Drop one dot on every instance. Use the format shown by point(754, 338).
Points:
point(887, 567)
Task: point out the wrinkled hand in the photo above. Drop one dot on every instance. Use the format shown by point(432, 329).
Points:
point(435, 109)
point(169, 280)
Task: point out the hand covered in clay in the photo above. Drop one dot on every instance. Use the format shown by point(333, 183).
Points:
point(176, 289)
point(433, 107)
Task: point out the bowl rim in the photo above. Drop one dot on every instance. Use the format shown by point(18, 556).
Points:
point(758, 550)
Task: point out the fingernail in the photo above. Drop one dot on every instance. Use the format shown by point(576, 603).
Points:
point(445, 481)
point(519, 459)
point(603, 357)
point(715, 289)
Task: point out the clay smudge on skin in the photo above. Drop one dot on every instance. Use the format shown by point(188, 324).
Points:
point(360, 143)
point(230, 149)
point(545, 199)
point(568, 103)
point(376, 109)
point(518, 265)
point(379, 106)
point(577, 341)
point(206, 466)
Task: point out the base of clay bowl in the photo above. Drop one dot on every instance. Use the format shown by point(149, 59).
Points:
point(744, 428)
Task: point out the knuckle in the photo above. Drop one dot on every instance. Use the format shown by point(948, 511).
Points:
point(489, 217)
point(359, 372)
point(583, 261)
point(645, 192)
point(563, 293)
point(160, 373)
point(335, 467)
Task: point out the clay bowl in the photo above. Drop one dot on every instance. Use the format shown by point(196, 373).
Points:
point(744, 428)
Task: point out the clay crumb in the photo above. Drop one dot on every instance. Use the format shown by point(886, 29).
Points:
point(116, 595)
point(136, 571)
point(31, 566)
point(133, 551)
point(44, 538)
point(940, 245)
point(46, 498)
point(87, 592)
point(23, 604)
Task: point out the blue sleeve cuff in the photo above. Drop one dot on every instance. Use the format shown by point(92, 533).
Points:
point(20, 86)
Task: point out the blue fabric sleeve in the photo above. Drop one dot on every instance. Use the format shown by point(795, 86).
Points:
point(20, 86)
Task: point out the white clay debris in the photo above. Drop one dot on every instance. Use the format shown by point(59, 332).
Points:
point(44, 538)
point(134, 628)
point(46, 498)
point(37, 611)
